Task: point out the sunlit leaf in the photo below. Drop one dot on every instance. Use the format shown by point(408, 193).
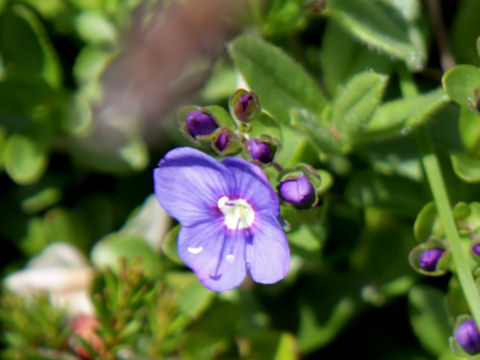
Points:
point(280, 82)
point(469, 128)
point(321, 135)
point(25, 160)
point(354, 105)
point(342, 57)
point(378, 26)
point(467, 168)
point(399, 117)
point(461, 82)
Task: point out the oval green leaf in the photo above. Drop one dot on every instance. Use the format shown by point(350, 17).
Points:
point(467, 168)
point(279, 81)
point(460, 83)
point(355, 104)
point(25, 46)
point(372, 23)
point(25, 161)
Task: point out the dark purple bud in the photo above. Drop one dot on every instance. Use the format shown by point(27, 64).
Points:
point(244, 105)
point(260, 151)
point(429, 258)
point(297, 191)
point(222, 141)
point(476, 249)
point(478, 103)
point(467, 336)
point(198, 123)
point(241, 106)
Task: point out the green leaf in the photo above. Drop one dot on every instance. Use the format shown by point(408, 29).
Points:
point(342, 57)
point(382, 27)
point(464, 32)
point(397, 155)
point(321, 136)
point(193, 297)
point(272, 345)
point(429, 319)
point(285, 16)
point(305, 242)
point(93, 27)
point(264, 125)
point(321, 319)
point(280, 82)
point(467, 168)
point(469, 128)
point(353, 107)
point(380, 254)
point(41, 200)
point(427, 223)
point(399, 117)
point(222, 83)
point(461, 82)
point(169, 245)
point(90, 63)
point(25, 160)
point(25, 47)
point(392, 193)
point(62, 225)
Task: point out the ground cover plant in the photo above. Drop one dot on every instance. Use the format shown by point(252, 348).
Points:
point(277, 179)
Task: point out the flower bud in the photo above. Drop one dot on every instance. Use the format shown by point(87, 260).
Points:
point(262, 150)
point(222, 141)
point(302, 186)
point(297, 191)
point(475, 248)
point(226, 143)
point(429, 258)
point(468, 337)
point(199, 123)
point(244, 105)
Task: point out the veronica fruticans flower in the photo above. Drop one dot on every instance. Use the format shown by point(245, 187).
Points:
point(229, 216)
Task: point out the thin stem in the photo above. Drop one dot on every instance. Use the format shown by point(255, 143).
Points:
point(442, 202)
point(440, 195)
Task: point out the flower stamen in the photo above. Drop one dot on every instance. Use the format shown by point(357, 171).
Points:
point(238, 213)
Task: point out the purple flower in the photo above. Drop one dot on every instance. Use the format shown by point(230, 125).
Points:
point(468, 337)
point(229, 216)
point(198, 123)
point(297, 191)
point(429, 258)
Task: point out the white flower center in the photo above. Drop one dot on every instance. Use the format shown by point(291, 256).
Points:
point(238, 213)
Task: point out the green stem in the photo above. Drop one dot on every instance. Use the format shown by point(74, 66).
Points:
point(442, 202)
point(440, 195)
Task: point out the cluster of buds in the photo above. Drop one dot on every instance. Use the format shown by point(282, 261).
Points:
point(236, 131)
